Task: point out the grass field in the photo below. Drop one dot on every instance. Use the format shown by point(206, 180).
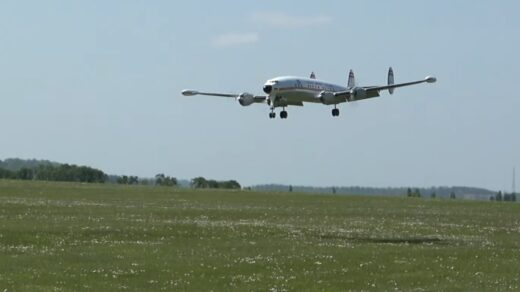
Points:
point(64, 237)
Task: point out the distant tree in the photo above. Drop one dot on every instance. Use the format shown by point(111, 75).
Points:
point(15, 164)
point(409, 192)
point(234, 184)
point(229, 184)
point(417, 193)
point(290, 188)
point(213, 184)
point(159, 178)
point(133, 180)
point(44, 170)
point(199, 182)
point(491, 198)
point(72, 173)
point(506, 197)
point(163, 180)
point(25, 174)
point(4, 173)
point(122, 180)
point(433, 195)
point(498, 196)
point(334, 190)
point(452, 195)
point(127, 180)
point(170, 181)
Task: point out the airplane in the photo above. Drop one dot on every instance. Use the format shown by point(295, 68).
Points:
point(294, 91)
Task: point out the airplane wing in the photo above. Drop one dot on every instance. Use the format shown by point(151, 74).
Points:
point(358, 93)
point(244, 98)
point(193, 92)
point(391, 86)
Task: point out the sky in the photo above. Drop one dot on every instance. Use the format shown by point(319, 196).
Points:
point(98, 83)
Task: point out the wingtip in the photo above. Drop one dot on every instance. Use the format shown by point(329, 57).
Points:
point(189, 92)
point(430, 79)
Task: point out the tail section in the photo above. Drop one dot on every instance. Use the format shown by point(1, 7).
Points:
point(390, 80)
point(351, 80)
point(313, 76)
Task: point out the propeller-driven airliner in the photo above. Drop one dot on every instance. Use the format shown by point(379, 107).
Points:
point(282, 92)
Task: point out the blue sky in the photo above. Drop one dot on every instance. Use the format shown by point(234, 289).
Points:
point(98, 83)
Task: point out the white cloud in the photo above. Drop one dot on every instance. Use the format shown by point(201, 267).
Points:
point(235, 39)
point(284, 20)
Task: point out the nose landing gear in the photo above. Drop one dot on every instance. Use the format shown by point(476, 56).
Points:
point(335, 111)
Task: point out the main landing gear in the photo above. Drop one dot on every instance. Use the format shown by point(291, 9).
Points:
point(335, 112)
point(283, 114)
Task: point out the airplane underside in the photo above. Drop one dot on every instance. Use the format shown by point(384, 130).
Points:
point(295, 98)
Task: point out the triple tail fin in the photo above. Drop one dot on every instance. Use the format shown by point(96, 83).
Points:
point(351, 79)
point(390, 80)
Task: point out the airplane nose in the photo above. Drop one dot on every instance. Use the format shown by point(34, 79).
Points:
point(268, 89)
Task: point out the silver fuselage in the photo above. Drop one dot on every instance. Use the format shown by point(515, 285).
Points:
point(290, 90)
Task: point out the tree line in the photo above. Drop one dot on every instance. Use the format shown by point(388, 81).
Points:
point(61, 172)
point(15, 164)
point(202, 183)
point(433, 194)
point(437, 192)
point(503, 197)
point(168, 181)
point(32, 169)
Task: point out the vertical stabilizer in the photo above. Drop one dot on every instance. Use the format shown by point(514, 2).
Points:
point(391, 80)
point(351, 80)
point(313, 76)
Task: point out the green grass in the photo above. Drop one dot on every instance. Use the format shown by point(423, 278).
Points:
point(67, 237)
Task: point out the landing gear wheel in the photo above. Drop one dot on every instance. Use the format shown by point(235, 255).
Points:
point(335, 112)
point(272, 115)
point(283, 115)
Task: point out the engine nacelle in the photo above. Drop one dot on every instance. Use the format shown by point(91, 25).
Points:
point(327, 97)
point(358, 93)
point(246, 99)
